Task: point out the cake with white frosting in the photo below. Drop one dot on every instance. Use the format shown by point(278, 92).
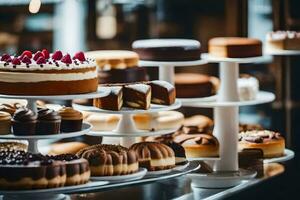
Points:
point(42, 73)
point(248, 87)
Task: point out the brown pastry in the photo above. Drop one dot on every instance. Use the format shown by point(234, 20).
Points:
point(13, 146)
point(272, 143)
point(162, 92)
point(110, 160)
point(197, 124)
point(24, 122)
point(112, 101)
point(252, 159)
point(154, 156)
point(67, 147)
point(48, 122)
point(10, 108)
point(137, 96)
point(180, 157)
point(234, 47)
point(71, 120)
point(5, 123)
point(249, 127)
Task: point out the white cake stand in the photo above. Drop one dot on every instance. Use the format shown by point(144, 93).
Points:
point(126, 127)
point(31, 100)
point(288, 155)
point(33, 139)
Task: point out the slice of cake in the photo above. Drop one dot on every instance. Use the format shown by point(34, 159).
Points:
point(162, 92)
point(283, 40)
point(112, 101)
point(137, 96)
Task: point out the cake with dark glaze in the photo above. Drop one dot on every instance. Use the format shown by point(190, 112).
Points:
point(24, 122)
point(112, 101)
point(154, 156)
point(137, 96)
point(110, 160)
point(272, 143)
point(48, 122)
point(162, 92)
point(167, 49)
point(42, 73)
point(234, 47)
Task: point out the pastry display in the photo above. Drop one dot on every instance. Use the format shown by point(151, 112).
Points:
point(154, 156)
point(137, 96)
point(162, 92)
point(198, 145)
point(48, 122)
point(248, 87)
point(191, 85)
point(283, 40)
point(234, 47)
point(272, 143)
point(144, 121)
point(42, 73)
point(252, 159)
point(112, 101)
point(167, 49)
point(5, 123)
point(24, 122)
point(110, 160)
point(180, 157)
point(10, 108)
point(71, 120)
point(12, 146)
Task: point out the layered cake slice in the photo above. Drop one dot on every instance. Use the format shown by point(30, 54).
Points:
point(162, 92)
point(283, 40)
point(137, 96)
point(112, 101)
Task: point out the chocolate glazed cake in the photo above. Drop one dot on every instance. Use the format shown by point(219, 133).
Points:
point(112, 101)
point(137, 96)
point(162, 92)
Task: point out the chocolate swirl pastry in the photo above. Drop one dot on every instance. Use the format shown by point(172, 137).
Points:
point(199, 145)
point(154, 156)
point(272, 143)
point(109, 160)
point(48, 122)
point(24, 122)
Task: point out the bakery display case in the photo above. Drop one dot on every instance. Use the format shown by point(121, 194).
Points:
point(147, 100)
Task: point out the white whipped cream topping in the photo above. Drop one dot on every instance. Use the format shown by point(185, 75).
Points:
point(18, 77)
point(153, 43)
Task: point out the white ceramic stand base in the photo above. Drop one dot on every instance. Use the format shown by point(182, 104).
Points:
point(288, 155)
point(32, 197)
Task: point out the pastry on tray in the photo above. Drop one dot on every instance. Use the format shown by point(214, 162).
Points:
point(110, 160)
point(42, 73)
point(154, 156)
point(234, 47)
point(71, 119)
point(272, 143)
point(167, 49)
point(24, 122)
point(283, 40)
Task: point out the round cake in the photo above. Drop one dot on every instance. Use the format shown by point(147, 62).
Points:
point(47, 74)
point(198, 145)
point(110, 160)
point(167, 49)
point(191, 85)
point(154, 156)
point(272, 143)
point(234, 47)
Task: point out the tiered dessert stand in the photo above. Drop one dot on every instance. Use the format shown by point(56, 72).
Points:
point(33, 139)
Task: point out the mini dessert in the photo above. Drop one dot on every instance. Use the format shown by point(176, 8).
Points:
point(234, 47)
point(127, 75)
point(112, 101)
point(5, 123)
point(13, 146)
point(45, 74)
point(248, 88)
point(162, 92)
point(144, 121)
point(198, 123)
point(110, 160)
point(179, 151)
point(249, 127)
point(167, 49)
point(24, 122)
point(191, 85)
point(154, 156)
point(71, 120)
point(198, 145)
point(10, 108)
point(283, 40)
point(77, 169)
point(137, 96)
point(252, 159)
point(272, 143)
point(48, 122)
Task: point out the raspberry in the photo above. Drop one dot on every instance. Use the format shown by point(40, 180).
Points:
point(57, 55)
point(67, 59)
point(80, 56)
point(26, 53)
point(37, 55)
point(16, 61)
point(26, 59)
point(4, 57)
point(41, 60)
point(45, 53)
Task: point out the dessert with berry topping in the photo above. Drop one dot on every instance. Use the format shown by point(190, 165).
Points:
point(43, 73)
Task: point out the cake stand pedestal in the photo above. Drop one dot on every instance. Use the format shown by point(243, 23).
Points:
point(126, 128)
point(287, 87)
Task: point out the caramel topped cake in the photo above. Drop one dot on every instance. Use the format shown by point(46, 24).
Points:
point(154, 156)
point(110, 160)
point(272, 143)
point(283, 40)
point(47, 74)
point(234, 47)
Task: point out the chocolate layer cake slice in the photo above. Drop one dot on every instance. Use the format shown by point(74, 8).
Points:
point(112, 101)
point(162, 92)
point(137, 96)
